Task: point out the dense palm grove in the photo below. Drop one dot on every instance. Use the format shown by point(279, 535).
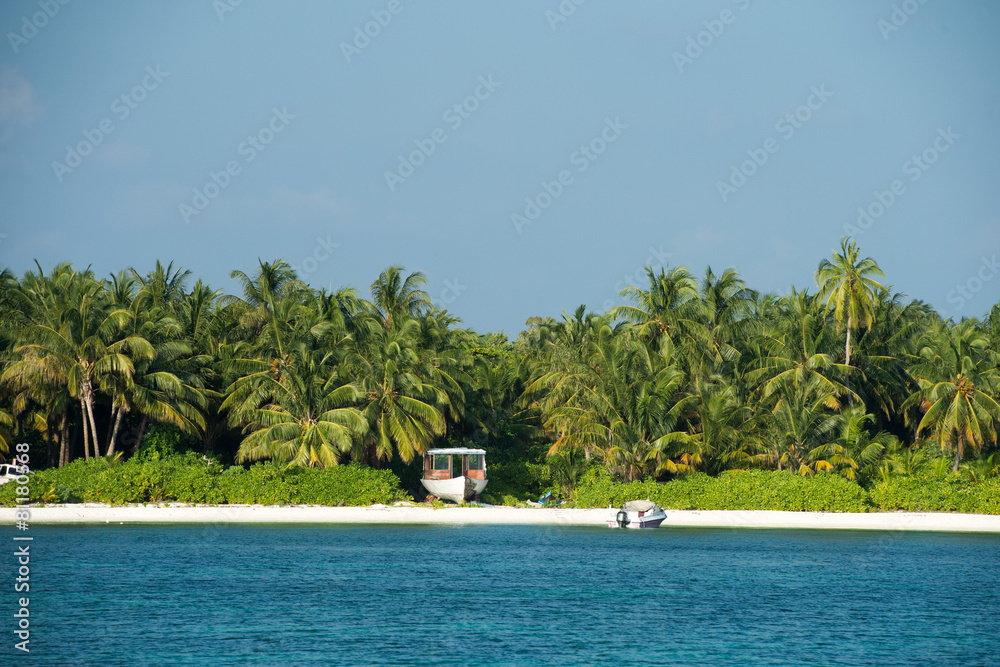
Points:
point(694, 375)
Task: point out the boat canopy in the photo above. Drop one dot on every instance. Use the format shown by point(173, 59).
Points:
point(640, 506)
point(454, 450)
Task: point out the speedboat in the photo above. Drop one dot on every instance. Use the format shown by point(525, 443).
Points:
point(638, 514)
point(464, 480)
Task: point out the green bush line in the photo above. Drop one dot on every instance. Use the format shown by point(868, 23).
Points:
point(191, 479)
point(773, 490)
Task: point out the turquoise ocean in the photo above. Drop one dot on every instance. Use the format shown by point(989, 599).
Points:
point(506, 595)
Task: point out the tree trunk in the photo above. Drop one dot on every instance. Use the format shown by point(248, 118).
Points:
point(114, 432)
point(51, 441)
point(93, 424)
point(86, 436)
point(847, 347)
point(142, 431)
point(72, 441)
point(958, 451)
point(111, 423)
point(64, 441)
point(847, 359)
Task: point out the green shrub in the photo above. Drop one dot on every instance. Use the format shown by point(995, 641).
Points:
point(515, 476)
point(344, 485)
point(164, 441)
point(190, 478)
point(60, 485)
point(988, 497)
point(732, 490)
point(927, 494)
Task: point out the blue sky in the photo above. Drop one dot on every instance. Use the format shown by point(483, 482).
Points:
point(528, 156)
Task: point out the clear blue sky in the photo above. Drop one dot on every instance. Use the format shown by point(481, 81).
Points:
point(309, 116)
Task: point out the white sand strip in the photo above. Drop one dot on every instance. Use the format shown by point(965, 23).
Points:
point(176, 513)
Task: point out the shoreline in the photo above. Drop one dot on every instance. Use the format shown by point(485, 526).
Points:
point(92, 513)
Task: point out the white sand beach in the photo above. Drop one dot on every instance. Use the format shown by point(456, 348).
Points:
point(417, 514)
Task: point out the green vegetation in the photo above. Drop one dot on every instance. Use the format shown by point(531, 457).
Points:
point(191, 479)
point(696, 393)
point(733, 490)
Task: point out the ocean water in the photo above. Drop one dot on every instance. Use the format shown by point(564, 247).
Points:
point(506, 595)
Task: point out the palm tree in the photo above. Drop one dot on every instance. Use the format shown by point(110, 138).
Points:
point(625, 406)
point(166, 387)
point(959, 378)
point(402, 406)
point(270, 300)
point(725, 308)
point(855, 450)
point(395, 297)
point(297, 410)
point(727, 427)
point(801, 426)
point(164, 287)
point(795, 352)
point(883, 352)
point(848, 286)
point(75, 339)
point(667, 311)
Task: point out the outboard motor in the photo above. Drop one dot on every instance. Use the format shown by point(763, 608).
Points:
point(622, 518)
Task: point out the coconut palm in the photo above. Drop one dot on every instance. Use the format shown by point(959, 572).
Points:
point(848, 286)
point(162, 288)
point(728, 428)
point(396, 298)
point(296, 410)
point(267, 310)
point(801, 427)
point(855, 450)
point(795, 352)
point(725, 307)
point(668, 311)
point(402, 406)
point(76, 338)
point(626, 407)
point(883, 352)
point(959, 382)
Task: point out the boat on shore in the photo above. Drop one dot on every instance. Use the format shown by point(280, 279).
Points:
point(9, 472)
point(638, 514)
point(458, 481)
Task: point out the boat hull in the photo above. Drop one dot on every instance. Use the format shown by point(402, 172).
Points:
point(456, 489)
point(648, 520)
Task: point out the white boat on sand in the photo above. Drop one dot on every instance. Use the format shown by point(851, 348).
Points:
point(465, 481)
point(638, 514)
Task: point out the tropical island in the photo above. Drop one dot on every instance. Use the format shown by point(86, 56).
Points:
point(700, 393)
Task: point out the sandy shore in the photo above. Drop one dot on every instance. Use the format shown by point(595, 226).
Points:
point(174, 513)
